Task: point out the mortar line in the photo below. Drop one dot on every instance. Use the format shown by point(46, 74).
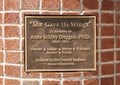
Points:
point(3, 39)
point(61, 7)
point(20, 43)
point(114, 42)
point(99, 41)
point(40, 6)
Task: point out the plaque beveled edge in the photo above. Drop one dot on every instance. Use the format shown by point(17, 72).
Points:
point(58, 16)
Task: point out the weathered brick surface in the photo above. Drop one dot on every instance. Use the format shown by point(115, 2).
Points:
point(12, 44)
point(72, 74)
point(107, 81)
point(1, 56)
point(68, 4)
point(107, 5)
point(107, 69)
point(12, 31)
point(107, 43)
point(91, 82)
point(0, 31)
point(51, 75)
point(118, 55)
point(51, 82)
point(1, 4)
point(107, 31)
point(69, 82)
point(31, 83)
point(13, 57)
point(107, 18)
point(11, 18)
point(107, 56)
point(51, 4)
point(12, 4)
point(0, 18)
point(118, 80)
point(12, 82)
point(1, 44)
point(12, 37)
point(90, 4)
point(1, 70)
point(30, 4)
point(13, 71)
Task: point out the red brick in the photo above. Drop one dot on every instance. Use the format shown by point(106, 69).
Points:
point(107, 81)
point(93, 14)
point(107, 56)
point(107, 5)
point(68, 4)
point(118, 6)
point(118, 68)
point(118, 42)
point(11, 18)
point(1, 81)
point(1, 70)
point(94, 73)
point(1, 3)
point(107, 43)
point(70, 82)
point(51, 82)
point(71, 13)
point(31, 83)
point(13, 71)
point(28, 13)
point(29, 75)
point(12, 31)
point(118, 55)
point(107, 18)
point(118, 80)
point(91, 82)
point(1, 44)
point(12, 4)
point(118, 31)
point(90, 4)
point(118, 18)
point(12, 82)
point(0, 18)
point(107, 69)
point(1, 56)
point(72, 74)
point(51, 75)
point(107, 31)
point(0, 31)
point(30, 4)
point(12, 57)
point(51, 4)
point(12, 44)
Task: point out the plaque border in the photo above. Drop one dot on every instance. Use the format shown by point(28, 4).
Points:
point(58, 16)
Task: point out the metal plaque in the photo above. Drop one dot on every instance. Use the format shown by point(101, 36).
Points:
point(60, 43)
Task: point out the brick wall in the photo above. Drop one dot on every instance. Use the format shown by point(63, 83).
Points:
point(12, 41)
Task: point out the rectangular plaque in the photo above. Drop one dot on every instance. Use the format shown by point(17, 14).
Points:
point(60, 43)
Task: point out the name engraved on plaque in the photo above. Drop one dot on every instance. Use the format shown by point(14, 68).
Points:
point(60, 43)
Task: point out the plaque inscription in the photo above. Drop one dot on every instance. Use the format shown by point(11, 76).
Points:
point(60, 43)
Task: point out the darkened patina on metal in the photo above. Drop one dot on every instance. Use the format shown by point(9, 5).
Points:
point(60, 43)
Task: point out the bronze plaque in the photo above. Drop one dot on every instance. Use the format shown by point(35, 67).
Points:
point(60, 43)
